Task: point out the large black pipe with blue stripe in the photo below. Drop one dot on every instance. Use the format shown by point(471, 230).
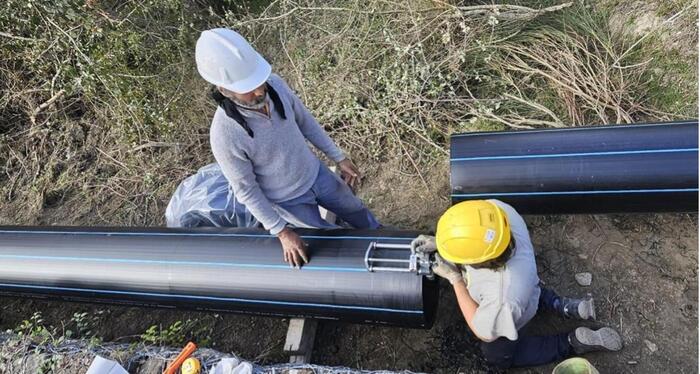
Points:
point(602, 169)
point(223, 270)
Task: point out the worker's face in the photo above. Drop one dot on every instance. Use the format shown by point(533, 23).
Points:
point(250, 99)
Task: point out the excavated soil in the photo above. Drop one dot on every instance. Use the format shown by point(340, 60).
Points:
point(644, 269)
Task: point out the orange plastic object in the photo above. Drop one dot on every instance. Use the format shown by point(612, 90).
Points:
point(186, 352)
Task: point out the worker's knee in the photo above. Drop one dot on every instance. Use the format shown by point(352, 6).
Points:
point(499, 353)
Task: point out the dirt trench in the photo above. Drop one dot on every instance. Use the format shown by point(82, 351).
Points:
point(644, 269)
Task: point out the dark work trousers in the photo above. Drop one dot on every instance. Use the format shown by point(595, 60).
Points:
point(530, 350)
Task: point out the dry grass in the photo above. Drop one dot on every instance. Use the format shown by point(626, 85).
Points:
point(102, 113)
point(585, 65)
point(390, 80)
point(92, 126)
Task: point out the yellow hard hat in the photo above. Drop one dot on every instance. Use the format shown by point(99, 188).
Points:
point(191, 366)
point(472, 232)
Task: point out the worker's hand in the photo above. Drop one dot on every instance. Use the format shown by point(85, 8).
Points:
point(293, 248)
point(446, 269)
point(424, 244)
point(349, 172)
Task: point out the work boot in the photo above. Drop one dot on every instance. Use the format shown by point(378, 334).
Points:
point(584, 340)
point(577, 308)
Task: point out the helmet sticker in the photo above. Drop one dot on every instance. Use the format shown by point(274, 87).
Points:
point(490, 235)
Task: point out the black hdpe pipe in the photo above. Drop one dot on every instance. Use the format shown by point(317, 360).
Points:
point(603, 169)
point(227, 270)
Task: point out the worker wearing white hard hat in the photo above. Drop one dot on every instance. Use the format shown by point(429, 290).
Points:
point(226, 60)
point(259, 138)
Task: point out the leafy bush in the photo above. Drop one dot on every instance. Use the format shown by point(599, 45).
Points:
point(178, 334)
point(34, 327)
point(89, 89)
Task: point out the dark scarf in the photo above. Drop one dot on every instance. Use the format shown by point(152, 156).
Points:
point(232, 111)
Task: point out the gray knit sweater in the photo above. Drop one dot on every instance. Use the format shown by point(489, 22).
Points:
point(276, 164)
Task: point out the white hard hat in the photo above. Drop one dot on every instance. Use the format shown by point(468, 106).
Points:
point(225, 59)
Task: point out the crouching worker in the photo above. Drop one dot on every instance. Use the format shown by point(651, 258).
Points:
point(259, 138)
point(484, 251)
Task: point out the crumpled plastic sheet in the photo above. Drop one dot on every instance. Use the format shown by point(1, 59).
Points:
point(206, 199)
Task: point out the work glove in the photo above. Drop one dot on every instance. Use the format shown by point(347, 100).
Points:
point(424, 244)
point(446, 269)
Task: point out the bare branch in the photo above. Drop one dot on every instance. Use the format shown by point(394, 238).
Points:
point(45, 105)
point(8, 35)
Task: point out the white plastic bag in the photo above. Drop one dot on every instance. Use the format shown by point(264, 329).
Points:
point(104, 366)
point(206, 199)
point(232, 366)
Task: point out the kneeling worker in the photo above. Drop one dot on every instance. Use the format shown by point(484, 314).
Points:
point(485, 252)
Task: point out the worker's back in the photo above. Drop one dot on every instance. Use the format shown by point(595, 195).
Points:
point(507, 296)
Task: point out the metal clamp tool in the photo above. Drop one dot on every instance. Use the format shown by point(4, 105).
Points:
point(395, 259)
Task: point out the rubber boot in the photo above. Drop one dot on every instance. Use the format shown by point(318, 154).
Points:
point(584, 340)
point(577, 308)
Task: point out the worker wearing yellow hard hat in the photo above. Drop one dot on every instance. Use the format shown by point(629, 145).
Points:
point(473, 232)
point(484, 250)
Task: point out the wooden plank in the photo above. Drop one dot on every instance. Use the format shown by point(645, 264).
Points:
point(300, 339)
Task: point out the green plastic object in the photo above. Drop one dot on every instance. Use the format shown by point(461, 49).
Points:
point(575, 365)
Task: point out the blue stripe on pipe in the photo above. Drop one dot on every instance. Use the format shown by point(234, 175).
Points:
point(211, 298)
point(557, 155)
point(108, 233)
point(195, 263)
point(574, 192)
point(572, 129)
